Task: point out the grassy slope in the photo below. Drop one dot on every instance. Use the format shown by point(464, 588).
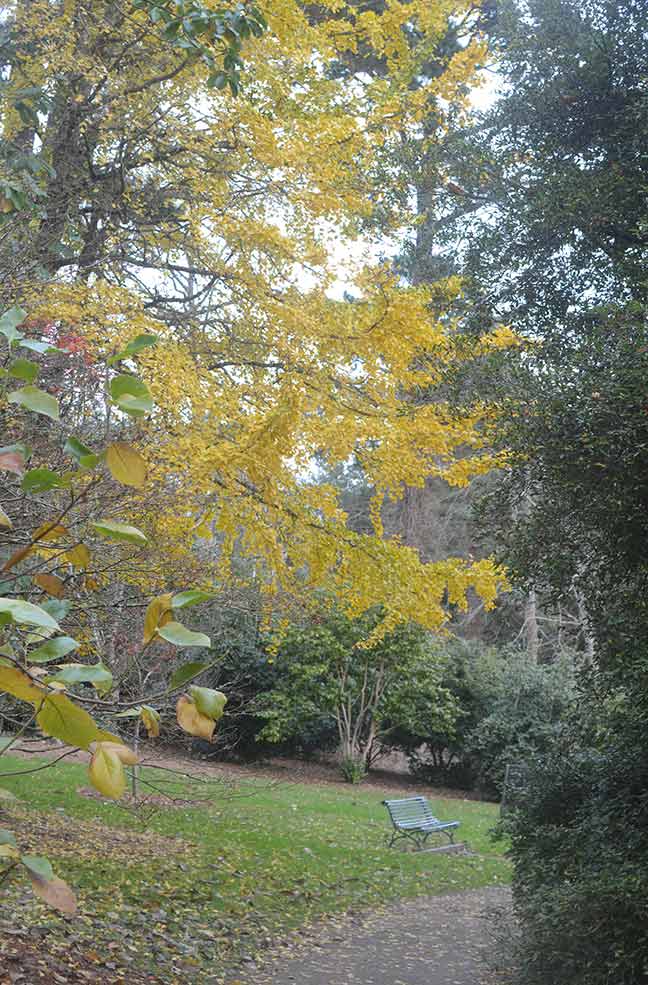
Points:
point(190, 887)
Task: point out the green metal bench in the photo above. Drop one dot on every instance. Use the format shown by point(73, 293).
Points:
point(414, 821)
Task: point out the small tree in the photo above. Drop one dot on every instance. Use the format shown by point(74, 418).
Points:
point(326, 671)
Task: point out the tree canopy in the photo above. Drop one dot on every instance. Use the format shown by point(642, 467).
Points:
point(154, 204)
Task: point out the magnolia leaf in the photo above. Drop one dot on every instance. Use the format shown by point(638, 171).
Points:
point(158, 613)
point(38, 866)
point(17, 556)
point(64, 720)
point(50, 531)
point(12, 460)
point(54, 649)
point(10, 321)
point(58, 608)
point(41, 480)
point(95, 674)
point(130, 713)
point(192, 721)
point(119, 531)
point(191, 597)
point(186, 673)
point(15, 681)
point(50, 584)
point(55, 892)
point(76, 449)
point(179, 635)
point(26, 612)
point(5, 521)
point(208, 702)
point(151, 721)
point(103, 736)
point(106, 772)
point(126, 464)
point(78, 556)
point(122, 751)
point(24, 369)
point(133, 347)
point(131, 395)
point(41, 347)
point(7, 837)
point(37, 400)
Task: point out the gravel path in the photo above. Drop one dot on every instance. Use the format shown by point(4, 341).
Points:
point(434, 940)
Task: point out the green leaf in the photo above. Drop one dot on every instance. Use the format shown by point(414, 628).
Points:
point(131, 395)
point(37, 400)
point(41, 480)
point(208, 701)
point(9, 322)
point(179, 635)
point(24, 369)
point(58, 608)
point(96, 674)
point(39, 866)
point(7, 837)
point(76, 449)
point(191, 597)
point(54, 649)
point(130, 713)
point(26, 612)
point(119, 531)
point(185, 673)
point(34, 345)
point(134, 346)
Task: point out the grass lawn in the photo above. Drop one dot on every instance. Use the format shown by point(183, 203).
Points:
point(186, 890)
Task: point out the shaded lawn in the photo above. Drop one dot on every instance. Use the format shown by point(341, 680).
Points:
point(187, 890)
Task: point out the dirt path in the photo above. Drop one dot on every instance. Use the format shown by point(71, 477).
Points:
point(434, 940)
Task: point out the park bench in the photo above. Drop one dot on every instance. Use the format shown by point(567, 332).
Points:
point(414, 821)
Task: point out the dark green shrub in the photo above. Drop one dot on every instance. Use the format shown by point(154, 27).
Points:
point(580, 847)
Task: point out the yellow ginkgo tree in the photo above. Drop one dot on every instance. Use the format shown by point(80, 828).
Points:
point(160, 206)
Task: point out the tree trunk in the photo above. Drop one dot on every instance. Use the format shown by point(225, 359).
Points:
point(531, 631)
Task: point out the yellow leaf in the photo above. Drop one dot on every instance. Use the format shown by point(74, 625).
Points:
point(151, 721)
point(55, 892)
point(64, 720)
point(158, 614)
point(126, 464)
point(14, 681)
point(5, 521)
point(50, 584)
point(106, 771)
point(9, 851)
point(50, 531)
point(78, 557)
point(123, 752)
point(192, 721)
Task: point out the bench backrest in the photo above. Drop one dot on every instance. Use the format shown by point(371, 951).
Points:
point(409, 810)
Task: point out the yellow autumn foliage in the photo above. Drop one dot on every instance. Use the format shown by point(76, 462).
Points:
point(223, 237)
